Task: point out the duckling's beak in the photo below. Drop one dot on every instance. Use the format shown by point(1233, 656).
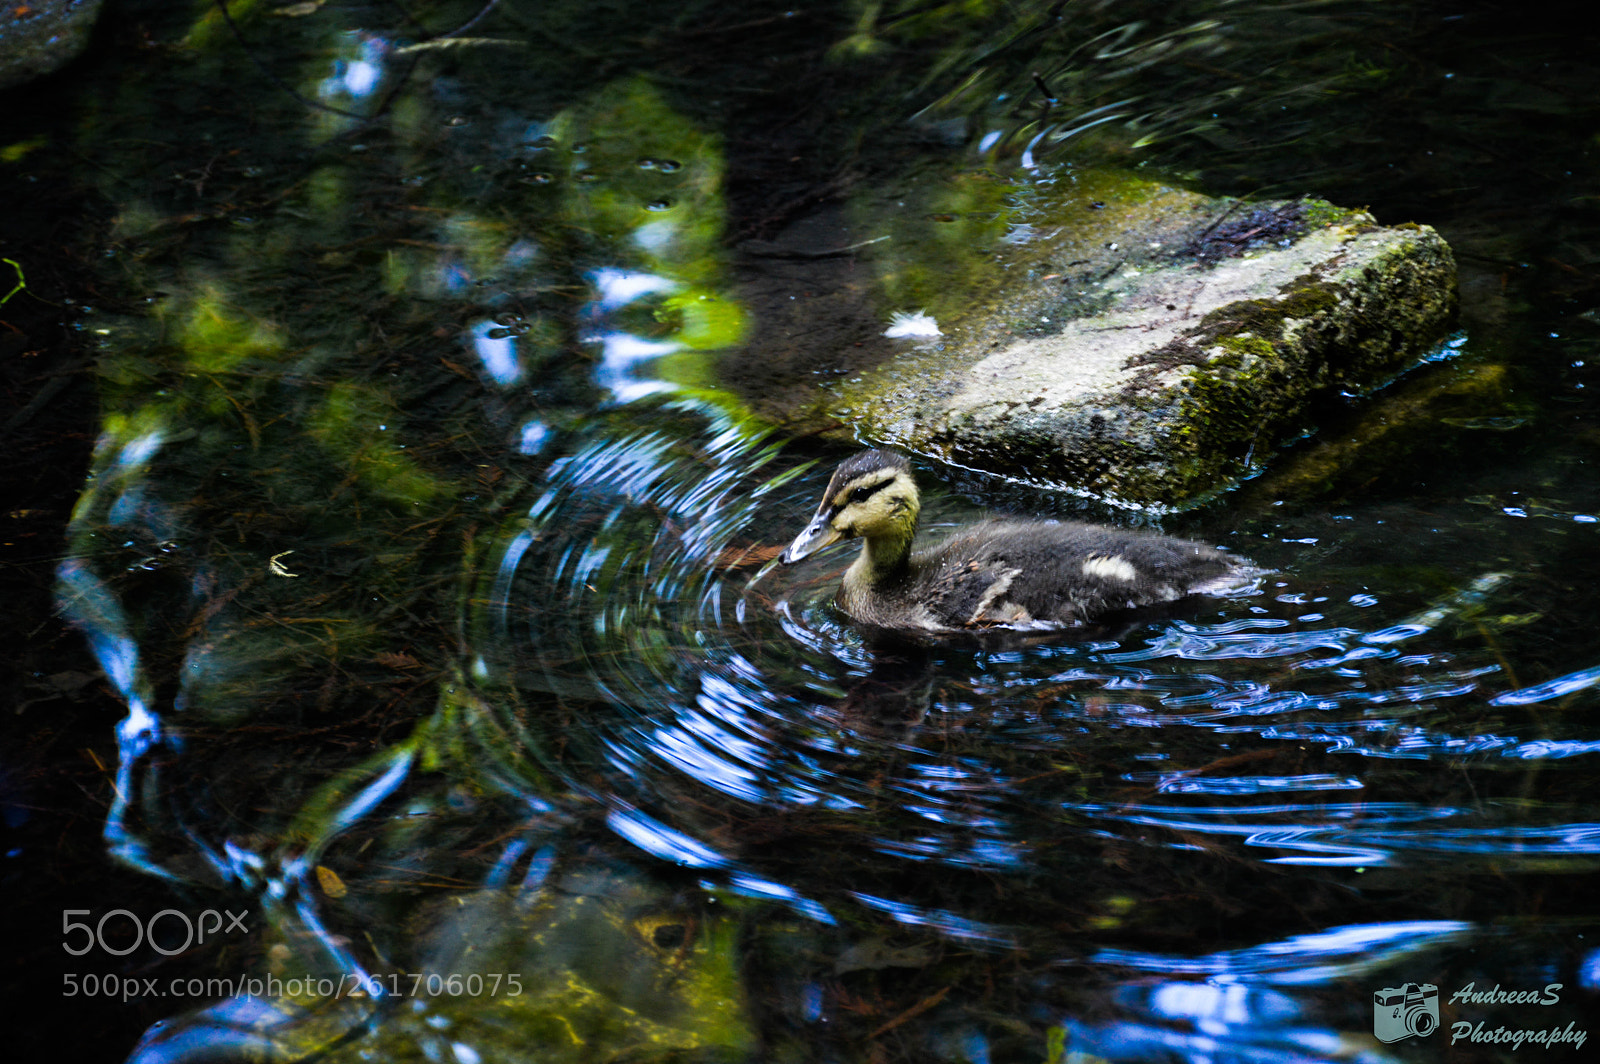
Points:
point(818, 534)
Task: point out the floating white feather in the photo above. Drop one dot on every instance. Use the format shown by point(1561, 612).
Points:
point(917, 326)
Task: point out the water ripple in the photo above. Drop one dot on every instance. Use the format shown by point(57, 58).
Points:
point(1357, 834)
point(702, 686)
point(1560, 687)
point(1321, 957)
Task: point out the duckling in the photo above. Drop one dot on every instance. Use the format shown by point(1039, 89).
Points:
point(1017, 573)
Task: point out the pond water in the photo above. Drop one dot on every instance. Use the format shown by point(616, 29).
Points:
point(421, 540)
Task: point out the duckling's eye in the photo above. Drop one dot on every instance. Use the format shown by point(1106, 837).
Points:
point(865, 491)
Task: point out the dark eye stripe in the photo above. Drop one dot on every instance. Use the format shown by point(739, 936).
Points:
point(861, 494)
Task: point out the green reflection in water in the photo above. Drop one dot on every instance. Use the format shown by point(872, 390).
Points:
point(300, 458)
point(297, 450)
point(611, 970)
point(600, 965)
point(643, 176)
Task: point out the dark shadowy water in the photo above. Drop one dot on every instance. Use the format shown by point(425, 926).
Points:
point(419, 540)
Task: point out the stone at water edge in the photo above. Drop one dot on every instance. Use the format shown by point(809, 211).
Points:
point(1131, 340)
point(39, 36)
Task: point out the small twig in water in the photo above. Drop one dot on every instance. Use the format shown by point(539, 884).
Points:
point(774, 252)
point(1220, 219)
point(471, 22)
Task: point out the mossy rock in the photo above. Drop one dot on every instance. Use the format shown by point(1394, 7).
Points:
point(1123, 338)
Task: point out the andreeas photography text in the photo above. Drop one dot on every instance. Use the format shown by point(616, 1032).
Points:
point(1412, 1011)
point(1484, 1032)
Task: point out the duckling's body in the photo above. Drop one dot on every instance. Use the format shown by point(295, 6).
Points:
point(1000, 572)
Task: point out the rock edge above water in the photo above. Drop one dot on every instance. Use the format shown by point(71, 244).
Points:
point(37, 38)
point(1148, 345)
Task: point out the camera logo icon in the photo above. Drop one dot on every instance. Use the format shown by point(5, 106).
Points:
point(1408, 1011)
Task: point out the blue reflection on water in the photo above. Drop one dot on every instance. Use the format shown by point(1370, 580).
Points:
point(953, 924)
point(616, 288)
point(1356, 834)
point(622, 359)
point(1249, 784)
point(1301, 960)
point(1560, 687)
point(654, 837)
point(357, 74)
point(533, 437)
point(497, 352)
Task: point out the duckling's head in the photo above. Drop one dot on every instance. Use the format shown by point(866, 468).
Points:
point(872, 496)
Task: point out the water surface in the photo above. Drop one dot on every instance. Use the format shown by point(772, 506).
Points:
point(420, 538)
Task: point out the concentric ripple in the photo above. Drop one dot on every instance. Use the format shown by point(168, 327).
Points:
point(733, 716)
